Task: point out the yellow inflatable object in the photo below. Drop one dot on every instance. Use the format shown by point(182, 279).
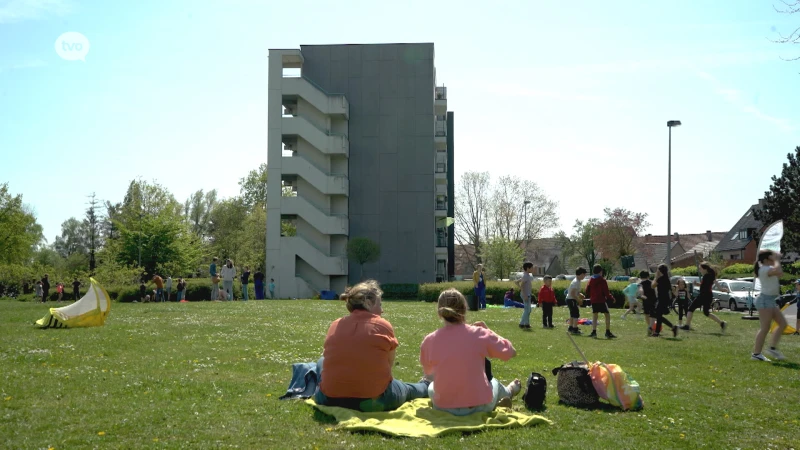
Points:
point(790, 314)
point(90, 311)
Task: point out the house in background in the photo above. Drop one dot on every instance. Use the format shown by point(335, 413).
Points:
point(700, 249)
point(544, 253)
point(652, 250)
point(739, 245)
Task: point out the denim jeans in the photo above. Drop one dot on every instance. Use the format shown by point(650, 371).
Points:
point(159, 295)
point(169, 293)
point(393, 397)
point(180, 295)
point(228, 287)
point(526, 312)
point(259, 285)
point(245, 294)
point(480, 295)
point(499, 392)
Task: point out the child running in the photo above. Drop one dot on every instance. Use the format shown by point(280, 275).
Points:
point(664, 295)
point(648, 300)
point(768, 270)
point(454, 359)
point(574, 296)
point(597, 289)
point(681, 292)
point(631, 292)
point(547, 300)
point(705, 297)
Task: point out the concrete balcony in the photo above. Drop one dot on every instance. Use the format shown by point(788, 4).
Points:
point(330, 104)
point(322, 220)
point(326, 183)
point(440, 99)
point(323, 263)
point(324, 141)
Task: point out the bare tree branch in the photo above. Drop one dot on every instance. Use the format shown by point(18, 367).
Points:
point(471, 213)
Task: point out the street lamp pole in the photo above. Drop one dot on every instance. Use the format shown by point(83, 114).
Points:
point(670, 124)
point(525, 210)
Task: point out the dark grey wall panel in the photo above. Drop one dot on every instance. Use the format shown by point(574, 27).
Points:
point(390, 90)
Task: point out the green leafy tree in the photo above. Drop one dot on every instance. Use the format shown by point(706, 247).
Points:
point(583, 240)
point(72, 239)
point(225, 229)
point(253, 187)
point(363, 251)
point(92, 225)
point(20, 234)
point(502, 256)
point(782, 202)
point(616, 234)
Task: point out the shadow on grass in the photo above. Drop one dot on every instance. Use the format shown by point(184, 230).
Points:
point(323, 418)
point(599, 406)
point(786, 365)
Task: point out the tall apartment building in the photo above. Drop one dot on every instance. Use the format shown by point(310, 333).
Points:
point(360, 145)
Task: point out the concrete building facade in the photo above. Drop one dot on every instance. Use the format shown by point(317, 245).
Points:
point(360, 144)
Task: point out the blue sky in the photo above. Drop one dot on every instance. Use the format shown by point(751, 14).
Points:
point(574, 95)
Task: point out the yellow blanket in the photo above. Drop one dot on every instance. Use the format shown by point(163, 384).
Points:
point(418, 419)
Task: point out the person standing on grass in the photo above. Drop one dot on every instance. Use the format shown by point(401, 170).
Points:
point(797, 299)
point(212, 272)
point(705, 297)
point(168, 285)
point(525, 286)
point(682, 294)
point(649, 300)
point(258, 281)
point(664, 295)
point(159, 295)
point(355, 370)
point(574, 298)
point(769, 271)
point(272, 288)
point(631, 292)
point(454, 359)
point(45, 288)
point(228, 274)
point(547, 300)
point(143, 291)
point(39, 290)
point(76, 289)
point(245, 278)
point(479, 285)
point(60, 290)
point(180, 288)
point(599, 295)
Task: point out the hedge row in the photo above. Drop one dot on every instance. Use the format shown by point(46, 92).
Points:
point(497, 290)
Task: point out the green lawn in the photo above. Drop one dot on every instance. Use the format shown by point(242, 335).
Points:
point(204, 375)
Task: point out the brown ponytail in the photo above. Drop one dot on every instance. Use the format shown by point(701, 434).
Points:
point(452, 306)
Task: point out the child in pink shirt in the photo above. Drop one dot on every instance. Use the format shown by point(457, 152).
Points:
point(454, 358)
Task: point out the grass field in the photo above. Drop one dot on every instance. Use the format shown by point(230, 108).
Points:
point(208, 375)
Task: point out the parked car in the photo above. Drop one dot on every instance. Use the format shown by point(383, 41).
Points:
point(750, 279)
point(734, 294)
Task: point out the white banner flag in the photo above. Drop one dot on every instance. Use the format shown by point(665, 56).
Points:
point(770, 240)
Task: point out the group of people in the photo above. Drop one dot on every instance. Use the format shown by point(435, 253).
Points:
point(227, 274)
point(42, 289)
point(355, 370)
point(163, 290)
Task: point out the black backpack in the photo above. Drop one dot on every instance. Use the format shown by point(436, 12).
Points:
point(535, 391)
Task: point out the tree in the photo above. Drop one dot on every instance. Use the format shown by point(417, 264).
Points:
point(363, 250)
point(225, 231)
point(72, 239)
point(92, 227)
point(583, 241)
point(471, 213)
point(502, 256)
point(782, 202)
point(20, 234)
point(789, 7)
point(567, 252)
point(512, 219)
point(616, 234)
point(253, 187)
point(200, 206)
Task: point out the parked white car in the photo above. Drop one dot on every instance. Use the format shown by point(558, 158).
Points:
point(734, 294)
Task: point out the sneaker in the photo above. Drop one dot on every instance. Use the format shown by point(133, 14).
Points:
point(723, 325)
point(521, 326)
point(528, 327)
point(759, 357)
point(594, 334)
point(796, 333)
point(775, 353)
point(655, 335)
point(610, 335)
point(551, 327)
point(685, 328)
point(623, 317)
point(675, 331)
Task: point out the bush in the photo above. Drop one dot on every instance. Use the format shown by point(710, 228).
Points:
point(742, 270)
point(685, 271)
point(497, 290)
point(400, 291)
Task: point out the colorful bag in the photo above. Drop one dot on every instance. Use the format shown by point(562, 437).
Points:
point(616, 386)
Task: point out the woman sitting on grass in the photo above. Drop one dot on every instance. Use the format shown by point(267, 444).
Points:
point(356, 366)
point(454, 359)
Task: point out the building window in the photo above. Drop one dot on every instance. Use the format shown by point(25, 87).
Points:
point(441, 237)
point(734, 256)
point(441, 202)
point(742, 234)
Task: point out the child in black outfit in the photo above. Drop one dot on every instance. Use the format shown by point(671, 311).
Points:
point(682, 294)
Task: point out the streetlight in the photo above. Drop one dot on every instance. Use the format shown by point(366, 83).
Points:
point(525, 210)
point(670, 125)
